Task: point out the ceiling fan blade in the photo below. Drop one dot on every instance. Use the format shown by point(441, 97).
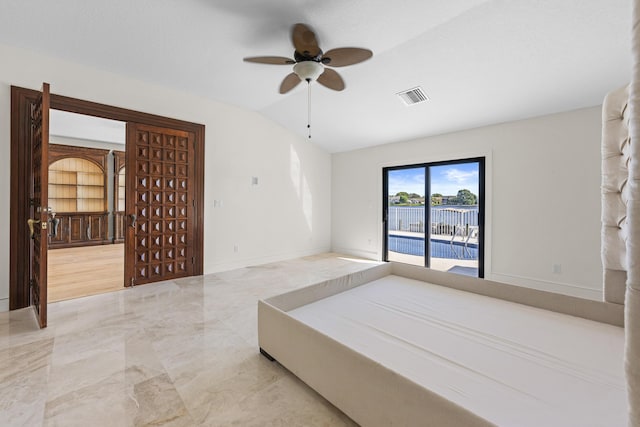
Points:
point(304, 40)
point(346, 56)
point(275, 60)
point(331, 79)
point(289, 83)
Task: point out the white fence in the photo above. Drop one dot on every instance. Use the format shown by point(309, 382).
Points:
point(444, 220)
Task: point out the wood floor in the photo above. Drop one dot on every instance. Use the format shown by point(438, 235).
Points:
point(89, 270)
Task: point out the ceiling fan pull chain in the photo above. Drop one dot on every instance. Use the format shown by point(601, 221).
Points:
point(309, 107)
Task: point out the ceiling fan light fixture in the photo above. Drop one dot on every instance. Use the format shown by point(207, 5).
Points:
point(308, 70)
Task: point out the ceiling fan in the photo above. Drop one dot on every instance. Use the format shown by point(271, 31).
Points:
point(310, 63)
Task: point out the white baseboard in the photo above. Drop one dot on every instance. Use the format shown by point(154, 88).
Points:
point(372, 255)
point(549, 286)
point(248, 262)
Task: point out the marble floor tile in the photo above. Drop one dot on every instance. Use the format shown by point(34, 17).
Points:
point(284, 402)
point(159, 404)
point(176, 353)
point(208, 395)
point(107, 402)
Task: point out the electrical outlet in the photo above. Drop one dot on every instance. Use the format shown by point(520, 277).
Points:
point(236, 248)
point(556, 269)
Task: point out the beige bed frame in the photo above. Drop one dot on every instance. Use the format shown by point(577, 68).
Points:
point(368, 392)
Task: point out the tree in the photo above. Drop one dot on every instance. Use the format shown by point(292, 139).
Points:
point(414, 196)
point(466, 197)
point(404, 197)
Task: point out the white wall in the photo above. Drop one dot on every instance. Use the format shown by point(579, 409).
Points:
point(543, 197)
point(90, 143)
point(286, 215)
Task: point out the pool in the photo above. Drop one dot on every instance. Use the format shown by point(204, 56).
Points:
point(439, 248)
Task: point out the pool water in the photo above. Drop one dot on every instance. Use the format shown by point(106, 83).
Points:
point(439, 248)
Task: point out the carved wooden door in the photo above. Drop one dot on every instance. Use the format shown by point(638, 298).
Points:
point(38, 223)
point(159, 204)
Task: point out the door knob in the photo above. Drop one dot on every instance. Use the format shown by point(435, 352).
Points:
point(32, 222)
point(55, 222)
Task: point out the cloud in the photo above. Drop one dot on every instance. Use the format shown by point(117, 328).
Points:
point(409, 180)
point(460, 176)
point(449, 179)
point(445, 179)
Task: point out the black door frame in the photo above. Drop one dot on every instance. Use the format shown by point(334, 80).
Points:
point(427, 185)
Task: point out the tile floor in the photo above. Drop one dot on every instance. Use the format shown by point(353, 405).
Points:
point(176, 353)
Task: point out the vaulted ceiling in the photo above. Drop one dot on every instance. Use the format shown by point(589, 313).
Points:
point(479, 61)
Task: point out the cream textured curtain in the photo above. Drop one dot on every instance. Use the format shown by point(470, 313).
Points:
point(632, 313)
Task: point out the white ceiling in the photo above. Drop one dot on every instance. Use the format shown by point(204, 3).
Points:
point(479, 61)
point(78, 126)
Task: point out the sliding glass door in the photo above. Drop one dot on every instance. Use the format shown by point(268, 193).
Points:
point(434, 215)
point(406, 215)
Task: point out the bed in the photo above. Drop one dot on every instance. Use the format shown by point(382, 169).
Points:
point(404, 346)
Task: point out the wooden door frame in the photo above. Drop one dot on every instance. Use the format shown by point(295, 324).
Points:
point(21, 177)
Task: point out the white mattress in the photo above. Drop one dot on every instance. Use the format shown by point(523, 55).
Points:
point(510, 364)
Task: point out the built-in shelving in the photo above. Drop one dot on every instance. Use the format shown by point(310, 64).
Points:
point(78, 195)
point(76, 185)
point(120, 182)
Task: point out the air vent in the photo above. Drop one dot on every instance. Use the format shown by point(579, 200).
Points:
point(413, 96)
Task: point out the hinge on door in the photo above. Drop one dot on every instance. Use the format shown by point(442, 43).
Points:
point(194, 203)
point(31, 283)
point(131, 284)
point(193, 260)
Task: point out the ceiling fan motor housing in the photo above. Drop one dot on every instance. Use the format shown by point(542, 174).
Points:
point(308, 70)
point(306, 56)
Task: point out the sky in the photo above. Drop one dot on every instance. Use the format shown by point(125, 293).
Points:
point(446, 180)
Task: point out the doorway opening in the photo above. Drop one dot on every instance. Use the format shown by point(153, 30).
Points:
point(163, 223)
point(434, 215)
point(86, 195)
